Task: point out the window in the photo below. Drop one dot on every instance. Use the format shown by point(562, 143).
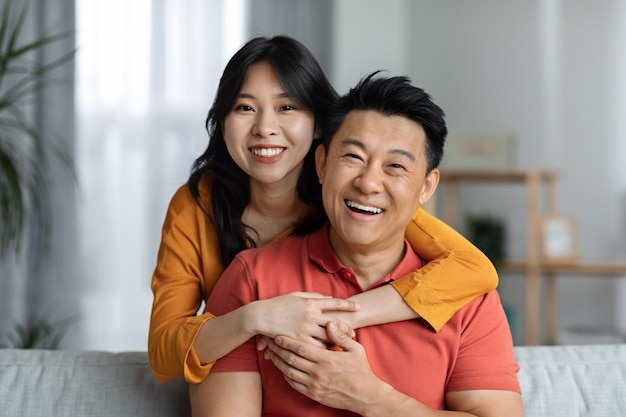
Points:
point(146, 74)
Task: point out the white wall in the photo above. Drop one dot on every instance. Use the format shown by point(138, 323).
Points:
point(550, 72)
point(369, 35)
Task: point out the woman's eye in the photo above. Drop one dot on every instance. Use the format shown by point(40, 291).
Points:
point(287, 107)
point(243, 107)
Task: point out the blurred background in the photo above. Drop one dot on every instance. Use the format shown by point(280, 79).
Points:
point(532, 85)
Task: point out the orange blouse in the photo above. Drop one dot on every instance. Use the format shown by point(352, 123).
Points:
point(189, 265)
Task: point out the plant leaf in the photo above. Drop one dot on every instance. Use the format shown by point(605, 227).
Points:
point(24, 150)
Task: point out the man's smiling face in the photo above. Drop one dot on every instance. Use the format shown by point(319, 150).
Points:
point(373, 178)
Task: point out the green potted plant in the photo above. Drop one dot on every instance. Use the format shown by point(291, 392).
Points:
point(37, 333)
point(488, 233)
point(25, 151)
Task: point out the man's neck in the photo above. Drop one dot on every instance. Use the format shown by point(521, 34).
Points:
point(370, 264)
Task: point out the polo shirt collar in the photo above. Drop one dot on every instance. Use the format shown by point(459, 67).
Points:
point(322, 254)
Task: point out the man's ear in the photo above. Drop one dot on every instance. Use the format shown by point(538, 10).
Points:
point(320, 162)
point(429, 186)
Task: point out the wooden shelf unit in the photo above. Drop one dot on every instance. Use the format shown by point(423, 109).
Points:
point(533, 268)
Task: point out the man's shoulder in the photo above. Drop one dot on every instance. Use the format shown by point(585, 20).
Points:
point(276, 259)
point(484, 305)
point(275, 249)
point(487, 299)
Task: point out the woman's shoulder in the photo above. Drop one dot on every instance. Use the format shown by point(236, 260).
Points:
point(186, 212)
point(184, 198)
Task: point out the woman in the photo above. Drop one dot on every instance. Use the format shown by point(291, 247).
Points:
point(256, 183)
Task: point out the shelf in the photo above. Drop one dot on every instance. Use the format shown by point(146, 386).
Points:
point(594, 269)
point(606, 268)
point(496, 176)
point(532, 268)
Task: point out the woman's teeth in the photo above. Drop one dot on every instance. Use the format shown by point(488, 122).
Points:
point(267, 152)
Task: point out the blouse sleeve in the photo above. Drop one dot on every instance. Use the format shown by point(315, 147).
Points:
point(188, 266)
point(456, 271)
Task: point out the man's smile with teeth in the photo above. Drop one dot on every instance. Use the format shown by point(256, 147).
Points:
point(363, 209)
point(266, 152)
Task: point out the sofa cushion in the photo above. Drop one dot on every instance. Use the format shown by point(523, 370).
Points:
point(556, 381)
point(573, 380)
point(85, 383)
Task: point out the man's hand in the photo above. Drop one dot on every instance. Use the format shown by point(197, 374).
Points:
point(339, 377)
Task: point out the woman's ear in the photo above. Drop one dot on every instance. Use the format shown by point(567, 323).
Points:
point(318, 133)
point(320, 162)
point(429, 186)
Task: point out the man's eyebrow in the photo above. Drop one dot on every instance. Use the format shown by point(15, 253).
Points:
point(352, 141)
point(358, 143)
point(404, 153)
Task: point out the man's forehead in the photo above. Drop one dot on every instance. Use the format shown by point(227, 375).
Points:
point(360, 126)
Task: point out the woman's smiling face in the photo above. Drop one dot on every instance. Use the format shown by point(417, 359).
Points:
point(267, 132)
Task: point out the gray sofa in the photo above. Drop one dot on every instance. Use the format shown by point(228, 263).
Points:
point(556, 381)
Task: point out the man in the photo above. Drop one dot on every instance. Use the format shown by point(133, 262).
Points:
point(382, 145)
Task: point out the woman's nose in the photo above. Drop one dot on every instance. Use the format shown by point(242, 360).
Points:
point(266, 124)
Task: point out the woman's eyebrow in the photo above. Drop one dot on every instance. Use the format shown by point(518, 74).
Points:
point(249, 95)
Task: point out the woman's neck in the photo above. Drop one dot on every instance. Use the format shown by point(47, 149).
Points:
point(271, 211)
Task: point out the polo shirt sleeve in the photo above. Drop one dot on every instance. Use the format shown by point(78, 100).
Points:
point(235, 289)
point(485, 359)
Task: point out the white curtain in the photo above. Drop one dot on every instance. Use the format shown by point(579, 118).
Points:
point(146, 76)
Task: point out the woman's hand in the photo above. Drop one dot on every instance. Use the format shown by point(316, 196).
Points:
point(298, 315)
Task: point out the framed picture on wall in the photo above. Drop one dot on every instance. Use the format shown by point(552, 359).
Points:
point(486, 151)
point(559, 239)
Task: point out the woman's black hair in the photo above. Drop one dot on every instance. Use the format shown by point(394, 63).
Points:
point(303, 79)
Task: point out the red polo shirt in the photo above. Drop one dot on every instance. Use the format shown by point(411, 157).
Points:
point(473, 350)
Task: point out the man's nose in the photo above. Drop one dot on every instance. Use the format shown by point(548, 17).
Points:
point(369, 180)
